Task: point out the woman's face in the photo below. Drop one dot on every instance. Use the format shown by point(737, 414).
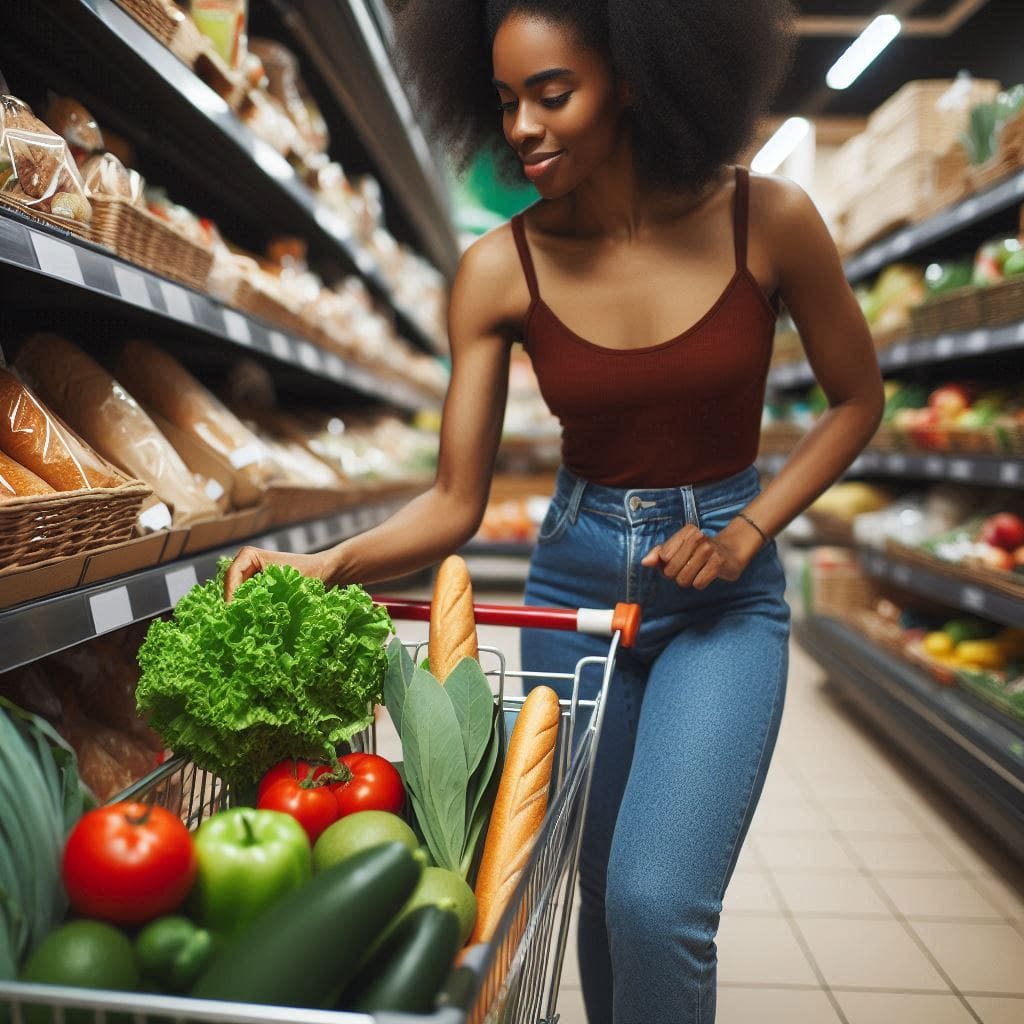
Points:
point(561, 110)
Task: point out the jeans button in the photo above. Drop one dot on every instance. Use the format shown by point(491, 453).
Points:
point(635, 503)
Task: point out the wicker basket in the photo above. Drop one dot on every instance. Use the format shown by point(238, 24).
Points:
point(73, 227)
point(974, 440)
point(40, 528)
point(888, 439)
point(250, 298)
point(137, 235)
point(950, 183)
point(891, 200)
point(169, 24)
point(1009, 157)
point(959, 310)
point(1003, 303)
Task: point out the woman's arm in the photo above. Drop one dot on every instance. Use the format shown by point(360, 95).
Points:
point(793, 239)
point(446, 516)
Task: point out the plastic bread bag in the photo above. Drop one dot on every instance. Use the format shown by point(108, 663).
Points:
point(105, 175)
point(36, 167)
point(108, 418)
point(18, 482)
point(70, 120)
point(40, 442)
point(286, 86)
point(165, 388)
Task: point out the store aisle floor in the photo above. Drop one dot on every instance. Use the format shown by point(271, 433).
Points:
point(862, 895)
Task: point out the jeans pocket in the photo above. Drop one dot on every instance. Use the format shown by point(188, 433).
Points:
point(715, 520)
point(554, 524)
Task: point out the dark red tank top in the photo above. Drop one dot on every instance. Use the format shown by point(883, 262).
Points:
point(686, 411)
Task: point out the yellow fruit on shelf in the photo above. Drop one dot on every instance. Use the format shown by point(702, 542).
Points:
point(981, 654)
point(938, 644)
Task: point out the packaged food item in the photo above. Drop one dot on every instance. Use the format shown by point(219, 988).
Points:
point(112, 421)
point(105, 175)
point(34, 437)
point(36, 167)
point(286, 86)
point(69, 119)
point(18, 482)
point(223, 22)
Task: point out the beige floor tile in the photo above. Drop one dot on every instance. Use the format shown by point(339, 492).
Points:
point(872, 817)
point(868, 954)
point(902, 1008)
point(750, 857)
point(773, 1006)
point(811, 853)
point(834, 786)
point(836, 894)
point(761, 950)
point(938, 897)
point(986, 958)
point(570, 1006)
point(998, 1010)
point(751, 892)
point(796, 818)
point(1009, 900)
point(919, 855)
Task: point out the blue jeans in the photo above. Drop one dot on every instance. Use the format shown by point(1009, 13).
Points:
point(692, 718)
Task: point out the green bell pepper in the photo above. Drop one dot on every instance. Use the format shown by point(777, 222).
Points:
point(172, 952)
point(248, 859)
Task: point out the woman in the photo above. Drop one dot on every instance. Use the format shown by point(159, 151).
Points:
point(625, 115)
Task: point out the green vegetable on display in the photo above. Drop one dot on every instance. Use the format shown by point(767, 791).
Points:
point(172, 952)
point(287, 669)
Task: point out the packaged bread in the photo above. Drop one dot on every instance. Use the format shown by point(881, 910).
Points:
point(105, 175)
point(95, 405)
point(36, 167)
point(286, 86)
point(178, 401)
point(37, 439)
point(70, 120)
point(18, 482)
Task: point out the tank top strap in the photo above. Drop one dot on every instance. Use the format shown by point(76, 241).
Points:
point(741, 216)
point(523, 247)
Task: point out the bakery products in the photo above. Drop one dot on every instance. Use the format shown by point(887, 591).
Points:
point(452, 623)
point(18, 482)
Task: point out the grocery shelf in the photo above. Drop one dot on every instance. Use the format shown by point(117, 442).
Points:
point(986, 470)
point(915, 352)
point(80, 266)
point(975, 753)
point(944, 224)
point(217, 139)
point(39, 628)
point(968, 595)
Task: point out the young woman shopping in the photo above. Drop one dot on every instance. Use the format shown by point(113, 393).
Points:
point(626, 115)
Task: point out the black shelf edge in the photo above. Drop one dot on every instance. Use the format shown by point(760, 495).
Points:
point(975, 753)
point(981, 470)
point(37, 629)
point(942, 225)
point(915, 352)
point(967, 595)
point(79, 265)
point(125, 32)
point(499, 549)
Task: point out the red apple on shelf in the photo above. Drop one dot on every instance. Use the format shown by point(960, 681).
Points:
point(1004, 530)
point(1018, 559)
point(994, 558)
point(950, 400)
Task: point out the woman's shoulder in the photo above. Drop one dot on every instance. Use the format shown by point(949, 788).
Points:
point(491, 276)
point(779, 205)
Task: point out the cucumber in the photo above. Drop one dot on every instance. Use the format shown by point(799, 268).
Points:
point(306, 947)
point(407, 972)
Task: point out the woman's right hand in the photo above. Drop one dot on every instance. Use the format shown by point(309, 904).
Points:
point(250, 561)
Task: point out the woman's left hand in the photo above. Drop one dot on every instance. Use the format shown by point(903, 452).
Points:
point(693, 559)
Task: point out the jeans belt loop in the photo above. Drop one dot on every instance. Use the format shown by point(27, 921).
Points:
point(690, 505)
point(575, 500)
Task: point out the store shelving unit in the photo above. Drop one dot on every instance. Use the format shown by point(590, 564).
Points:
point(38, 628)
point(92, 274)
point(975, 753)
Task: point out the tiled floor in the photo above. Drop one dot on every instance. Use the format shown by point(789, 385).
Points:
point(862, 896)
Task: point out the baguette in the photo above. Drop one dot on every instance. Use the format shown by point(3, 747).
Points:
point(519, 808)
point(18, 482)
point(452, 623)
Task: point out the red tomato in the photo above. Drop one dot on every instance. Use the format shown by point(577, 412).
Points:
point(128, 863)
point(375, 785)
point(290, 769)
point(313, 807)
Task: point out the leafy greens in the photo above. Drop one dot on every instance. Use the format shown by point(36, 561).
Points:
point(287, 669)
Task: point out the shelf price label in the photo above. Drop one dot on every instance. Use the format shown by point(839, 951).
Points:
point(896, 463)
point(177, 301)
point(237, 327)
point(1010, 473)
point(899, 354)
point(280, 346)
point(902, 574)
point(967, 210)
point(973, 599)
point(111, 610)
point(179, 582)
point(309, 356)
point(934, 466)
point(961, 469)
point(977, 341)
point(57, 258)
point(298, 540)
point(321, 535)
point(132, 286)
point(945, 346)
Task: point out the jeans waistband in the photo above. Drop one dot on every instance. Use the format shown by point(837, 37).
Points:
point(644, 503)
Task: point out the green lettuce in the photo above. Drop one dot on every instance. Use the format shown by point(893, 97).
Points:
point(287, 669)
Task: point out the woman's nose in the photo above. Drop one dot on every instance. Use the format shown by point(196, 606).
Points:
point(524, 125)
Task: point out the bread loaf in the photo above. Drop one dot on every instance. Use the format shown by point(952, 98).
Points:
point(109, 419)
point(452, 623)
point(35, 438)
point(519, 808)
point(18, 482)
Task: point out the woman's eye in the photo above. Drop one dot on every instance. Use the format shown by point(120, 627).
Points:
point(507, 108)
point(556, 101)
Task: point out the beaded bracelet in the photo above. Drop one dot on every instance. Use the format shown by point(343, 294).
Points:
point(747, 519)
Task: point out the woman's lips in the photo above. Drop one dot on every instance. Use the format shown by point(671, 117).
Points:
point(537, 169)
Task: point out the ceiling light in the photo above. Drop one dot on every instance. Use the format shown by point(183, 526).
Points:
point(863, 51)
point(781, 145)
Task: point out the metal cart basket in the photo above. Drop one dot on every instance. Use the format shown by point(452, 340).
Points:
point(514, 979)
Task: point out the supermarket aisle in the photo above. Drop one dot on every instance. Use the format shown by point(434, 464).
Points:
point(862, 896)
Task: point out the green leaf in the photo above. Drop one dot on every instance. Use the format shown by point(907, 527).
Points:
point(471, 696)
point(397, 679)
point(435, 765)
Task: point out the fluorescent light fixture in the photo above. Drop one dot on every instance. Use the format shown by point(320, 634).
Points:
point(863, 51)
point(781, 145)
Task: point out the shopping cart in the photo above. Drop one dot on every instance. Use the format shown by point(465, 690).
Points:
point(514, 979)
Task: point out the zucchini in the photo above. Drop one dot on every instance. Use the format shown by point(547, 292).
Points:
point(306, 947)
point(407, 972)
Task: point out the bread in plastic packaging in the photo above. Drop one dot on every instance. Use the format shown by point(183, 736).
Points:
point(105, 175)
point(36, 168)
point(70, 120)
point(285, 85)
point(112, 421)
point(18, 482)
point(173, 396)
point(37, 439)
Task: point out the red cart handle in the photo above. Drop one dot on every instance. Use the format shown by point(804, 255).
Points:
point(623, 618)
